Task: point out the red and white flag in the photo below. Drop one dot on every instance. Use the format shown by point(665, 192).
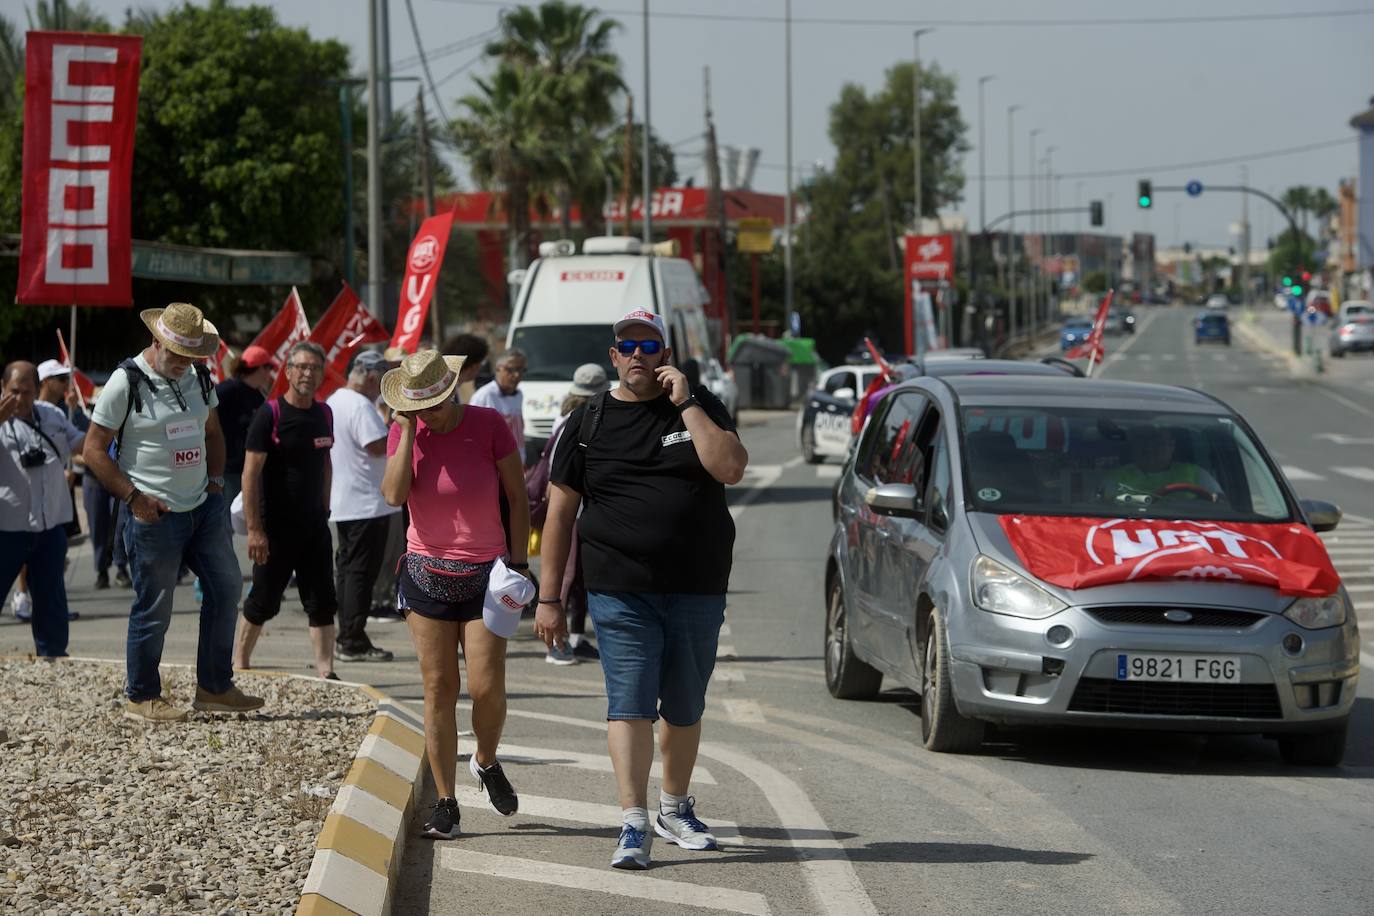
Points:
point(1086, 552)
point(289, 327)
point(219, 363)
point(80, 108)
point(341, 330)
point(84, 385)
point(423, 261)
point(1092, 348)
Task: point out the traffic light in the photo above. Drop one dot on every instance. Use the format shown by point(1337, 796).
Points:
point(1095, 212)
point(1143, 195)
point(1295, 289)
point(1306, 275)
point(1287, 281)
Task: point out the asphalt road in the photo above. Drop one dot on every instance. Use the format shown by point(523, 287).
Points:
point(828, 806)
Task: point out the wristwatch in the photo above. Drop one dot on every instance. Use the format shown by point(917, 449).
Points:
point(217, 481)
point(691, 400)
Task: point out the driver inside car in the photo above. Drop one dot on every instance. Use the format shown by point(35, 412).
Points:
point(1152, 473)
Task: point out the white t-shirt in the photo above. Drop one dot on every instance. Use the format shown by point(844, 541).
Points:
point(356, 489)
point(36, 499)
point(511, 407)
point(163, 449)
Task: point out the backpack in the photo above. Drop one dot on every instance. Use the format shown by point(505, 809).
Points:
point(274, 405)
point(537, 474)
point(135, 402)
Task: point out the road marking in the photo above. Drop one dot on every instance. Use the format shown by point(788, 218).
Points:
point(733, 675)
point(1296, 473)
point(767, 475)
point(724, 651)
point(744, 711)
point(1342, 399)
point(725, 629)
point(1167, 357)
point(1368, 659)
point(516, 753)
point(1359, 588)
point(581, 812)
point(603, 880)
point(829, 471)
point(1357, 473)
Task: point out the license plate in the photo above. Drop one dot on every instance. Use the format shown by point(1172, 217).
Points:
point(1198, 669)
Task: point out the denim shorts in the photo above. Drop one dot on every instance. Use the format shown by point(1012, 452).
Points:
point(657, 652)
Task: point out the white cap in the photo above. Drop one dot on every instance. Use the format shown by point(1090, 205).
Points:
point(507, 594)
point(50, 367)
point(646, 318)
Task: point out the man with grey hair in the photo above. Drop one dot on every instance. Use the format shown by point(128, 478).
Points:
point(360, 514)
point(503, 395)
point(286, 484)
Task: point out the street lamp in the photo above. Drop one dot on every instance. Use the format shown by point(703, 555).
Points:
point(787, 201)
point(1032, 287)
point(916, 122)
point(1048, 204)
point(982, 158)
point(1011, 226)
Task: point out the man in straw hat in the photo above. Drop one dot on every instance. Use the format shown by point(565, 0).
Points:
point(166, 467)
point(448, 461)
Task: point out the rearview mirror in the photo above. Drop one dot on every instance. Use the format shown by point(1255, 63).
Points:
point(1321, 515)
point(896, 499)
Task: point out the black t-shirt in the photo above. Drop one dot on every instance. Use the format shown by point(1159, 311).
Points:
point(293, 476)
point(238, 402)
point(653, 519)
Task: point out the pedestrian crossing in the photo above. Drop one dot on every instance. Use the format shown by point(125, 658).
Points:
point(1351, 548)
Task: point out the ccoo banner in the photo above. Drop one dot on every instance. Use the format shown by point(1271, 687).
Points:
point(422, 275)
point(80, 107)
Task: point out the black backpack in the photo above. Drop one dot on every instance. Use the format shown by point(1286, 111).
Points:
point(138, 377)
point(537, 474)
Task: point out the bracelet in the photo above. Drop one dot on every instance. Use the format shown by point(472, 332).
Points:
point(133, 495)
point(517, 566)
point(550, 600)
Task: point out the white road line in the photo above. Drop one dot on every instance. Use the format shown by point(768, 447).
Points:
point(1359, 588)
point(1368, 659)
point(725, 629)
point(767, 475)
point(829, 471)
point(1296, 473)
point(725, 651)
point(733, 675)
point(1358, 473)
point(1342, 399)
point(1167, 357)
point(744, 711)
point(581, 812)
point(603, 880)
point(516, 753)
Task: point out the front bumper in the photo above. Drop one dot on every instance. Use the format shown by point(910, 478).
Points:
point(1004, 669)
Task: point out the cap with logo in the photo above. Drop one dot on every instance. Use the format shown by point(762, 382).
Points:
point(49, 368)
point(507, 594)
point(644, 318)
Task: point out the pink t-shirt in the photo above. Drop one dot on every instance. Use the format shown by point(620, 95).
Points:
point(454, 509)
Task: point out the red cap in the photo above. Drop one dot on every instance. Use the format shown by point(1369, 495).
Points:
point(255, 356)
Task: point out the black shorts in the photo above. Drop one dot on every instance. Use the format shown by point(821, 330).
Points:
point(409, 598)
point(307, 551)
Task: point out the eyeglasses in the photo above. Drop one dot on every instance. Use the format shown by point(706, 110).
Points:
point(305, 367)
point(647, 347)
point(512, 370)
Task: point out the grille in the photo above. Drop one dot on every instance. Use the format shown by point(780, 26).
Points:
point(541, 428)
point(1154, 615)
point(1151, 698)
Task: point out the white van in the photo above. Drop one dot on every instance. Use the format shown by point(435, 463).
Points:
point(567, 303)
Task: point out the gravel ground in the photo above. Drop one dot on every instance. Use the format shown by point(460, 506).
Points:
point(102, 814)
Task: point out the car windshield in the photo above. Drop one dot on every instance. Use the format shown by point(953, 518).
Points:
point(554, 351)
point(1114, 464)
point(1212, 319)
point(1073, 324)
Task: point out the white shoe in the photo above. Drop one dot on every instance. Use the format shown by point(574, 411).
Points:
point(560, 655)
point(683, 828)
point(633, 850)
point(22, 605)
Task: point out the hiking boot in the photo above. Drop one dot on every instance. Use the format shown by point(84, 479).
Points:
point(232, 700)
point(122, 578)
point(370, 654)
point(498, 788)
point(102, 580)
point(683, 828)
point(560, 655)
point(155, 710)
point(442, 823)
point(633, 851)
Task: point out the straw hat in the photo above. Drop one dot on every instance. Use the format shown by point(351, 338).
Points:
point(182, 329)
point(422, 380)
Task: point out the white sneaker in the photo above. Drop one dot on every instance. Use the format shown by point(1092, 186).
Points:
point(560, 655)
point(683, 828)
point(633, 851)
point(22, 605)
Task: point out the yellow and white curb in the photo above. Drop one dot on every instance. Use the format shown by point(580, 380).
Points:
point(359, 849)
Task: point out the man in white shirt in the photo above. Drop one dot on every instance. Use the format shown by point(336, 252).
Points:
point(36, 445)
point(356, 505)
point(503, 394)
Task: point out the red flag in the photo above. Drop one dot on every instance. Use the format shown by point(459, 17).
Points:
point(1092, 348)
point(84, 385)
point(288, 327)
point(80, 108)
point(219, 363)
point(344, 327)
point(1086, 552)
point(422, 275)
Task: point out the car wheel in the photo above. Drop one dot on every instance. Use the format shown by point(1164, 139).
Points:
point(1316, 749)
point(1338, 353)
point(942, 727)
point(846, 676)
point(808, 446)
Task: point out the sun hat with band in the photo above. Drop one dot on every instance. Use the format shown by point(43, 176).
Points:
point(181, 328)
point(421, 381)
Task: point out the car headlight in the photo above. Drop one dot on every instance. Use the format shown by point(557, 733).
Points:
point(1317, 613)
point(1002, 591)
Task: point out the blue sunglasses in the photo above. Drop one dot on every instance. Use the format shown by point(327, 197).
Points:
point(647, 347)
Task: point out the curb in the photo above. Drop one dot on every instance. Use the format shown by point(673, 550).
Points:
point(1245, 328)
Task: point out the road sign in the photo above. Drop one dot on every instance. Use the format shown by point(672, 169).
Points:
point(1194, 188)
point(754, 234)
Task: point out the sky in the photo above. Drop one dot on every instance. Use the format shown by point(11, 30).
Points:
point(1133, 98)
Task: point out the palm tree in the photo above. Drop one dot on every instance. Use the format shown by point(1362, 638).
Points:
point(1323, 207)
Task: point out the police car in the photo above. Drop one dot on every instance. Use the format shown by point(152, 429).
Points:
point(823, 425)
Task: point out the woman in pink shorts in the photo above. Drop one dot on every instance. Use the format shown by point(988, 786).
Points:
point(447, 462)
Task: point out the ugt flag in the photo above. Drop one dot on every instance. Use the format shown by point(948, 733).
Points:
point(341, 330)
point(423, 261)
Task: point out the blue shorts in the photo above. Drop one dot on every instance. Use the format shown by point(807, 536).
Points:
point(657, 652)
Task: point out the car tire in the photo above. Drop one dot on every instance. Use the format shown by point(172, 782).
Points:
point(943, 729)
point(1337, 353)
point(847, 677)
point(1315, 749)
point(808, 445)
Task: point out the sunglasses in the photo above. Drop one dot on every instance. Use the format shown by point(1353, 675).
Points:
point(647, 347)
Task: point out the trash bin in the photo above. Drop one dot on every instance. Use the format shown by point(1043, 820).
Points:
point(762, 373)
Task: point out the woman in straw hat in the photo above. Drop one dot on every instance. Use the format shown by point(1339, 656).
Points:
point(448, 462)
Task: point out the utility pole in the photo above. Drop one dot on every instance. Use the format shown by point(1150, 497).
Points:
point(628, 166)
point(647, 203)
point(1011, 228)
point(1032, 281)
point(716, 213)
point(384, 53)
point(916, 124)
point(1048, 203)
point(374, 170)
point(1244, 238)
point(346, 118)
point(982, 158)
point(787, 201)
point(427, 184)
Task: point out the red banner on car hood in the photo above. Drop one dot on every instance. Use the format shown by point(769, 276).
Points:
point(1086, 552)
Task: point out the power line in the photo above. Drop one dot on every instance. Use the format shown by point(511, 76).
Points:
point(448, 50)
point(429, 77)
point(451, 74)
point(976, 23)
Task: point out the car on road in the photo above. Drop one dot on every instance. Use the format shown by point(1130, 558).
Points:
point(1218, 301)
point(721, 382)
point(1003, 547)
point(1212, 326)
point(1074, 332)
point(1119, 321)
point(1354, 328)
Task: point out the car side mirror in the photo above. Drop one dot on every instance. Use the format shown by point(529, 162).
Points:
point(843, 394)
point(895, 499)
point(1321, 515)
